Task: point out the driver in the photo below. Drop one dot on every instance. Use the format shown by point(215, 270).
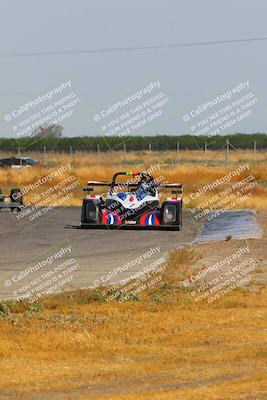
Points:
point(146, 185)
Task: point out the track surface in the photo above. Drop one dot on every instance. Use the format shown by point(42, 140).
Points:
point(97, 251)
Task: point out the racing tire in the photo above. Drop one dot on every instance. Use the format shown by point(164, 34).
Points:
point(177, 220)
point(91, 212)
point(1, 198)
point(180, 214)
point(17, 197)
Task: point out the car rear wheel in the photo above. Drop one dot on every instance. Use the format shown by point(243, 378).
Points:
point(16, 197)
point(90, 212)
point(180, 214)
point(171, 213)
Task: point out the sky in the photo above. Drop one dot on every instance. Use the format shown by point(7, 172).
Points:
point(109, 51)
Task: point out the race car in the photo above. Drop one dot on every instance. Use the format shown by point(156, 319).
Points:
point(13, 201)
point(132, 204)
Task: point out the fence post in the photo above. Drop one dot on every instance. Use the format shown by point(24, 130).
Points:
point(19, 155)
point(71, 153)
point(206, 156)
point(227, 152)
point(98, 148)
point(124, 154)
point(149, 147)
point(44, 154)
point(254, 152)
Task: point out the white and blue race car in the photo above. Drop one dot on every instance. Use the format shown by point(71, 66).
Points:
point(132, 204)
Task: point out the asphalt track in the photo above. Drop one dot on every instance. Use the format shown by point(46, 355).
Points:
point(98, 252)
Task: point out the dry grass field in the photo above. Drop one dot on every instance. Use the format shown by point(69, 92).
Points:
point(163, 346)
point(189, 168)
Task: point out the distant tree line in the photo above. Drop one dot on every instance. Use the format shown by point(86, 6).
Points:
point(160, 142)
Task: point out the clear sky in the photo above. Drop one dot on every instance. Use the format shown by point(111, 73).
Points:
point(188, 76)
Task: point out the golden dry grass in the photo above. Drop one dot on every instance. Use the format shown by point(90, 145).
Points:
point(177, 350)
point(190, 169)
point(80, 347)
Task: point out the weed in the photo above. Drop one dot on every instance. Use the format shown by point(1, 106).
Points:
point(35, 307)
point(93, 296)
point(4, 310)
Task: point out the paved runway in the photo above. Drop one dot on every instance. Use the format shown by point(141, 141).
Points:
point(44, 243)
